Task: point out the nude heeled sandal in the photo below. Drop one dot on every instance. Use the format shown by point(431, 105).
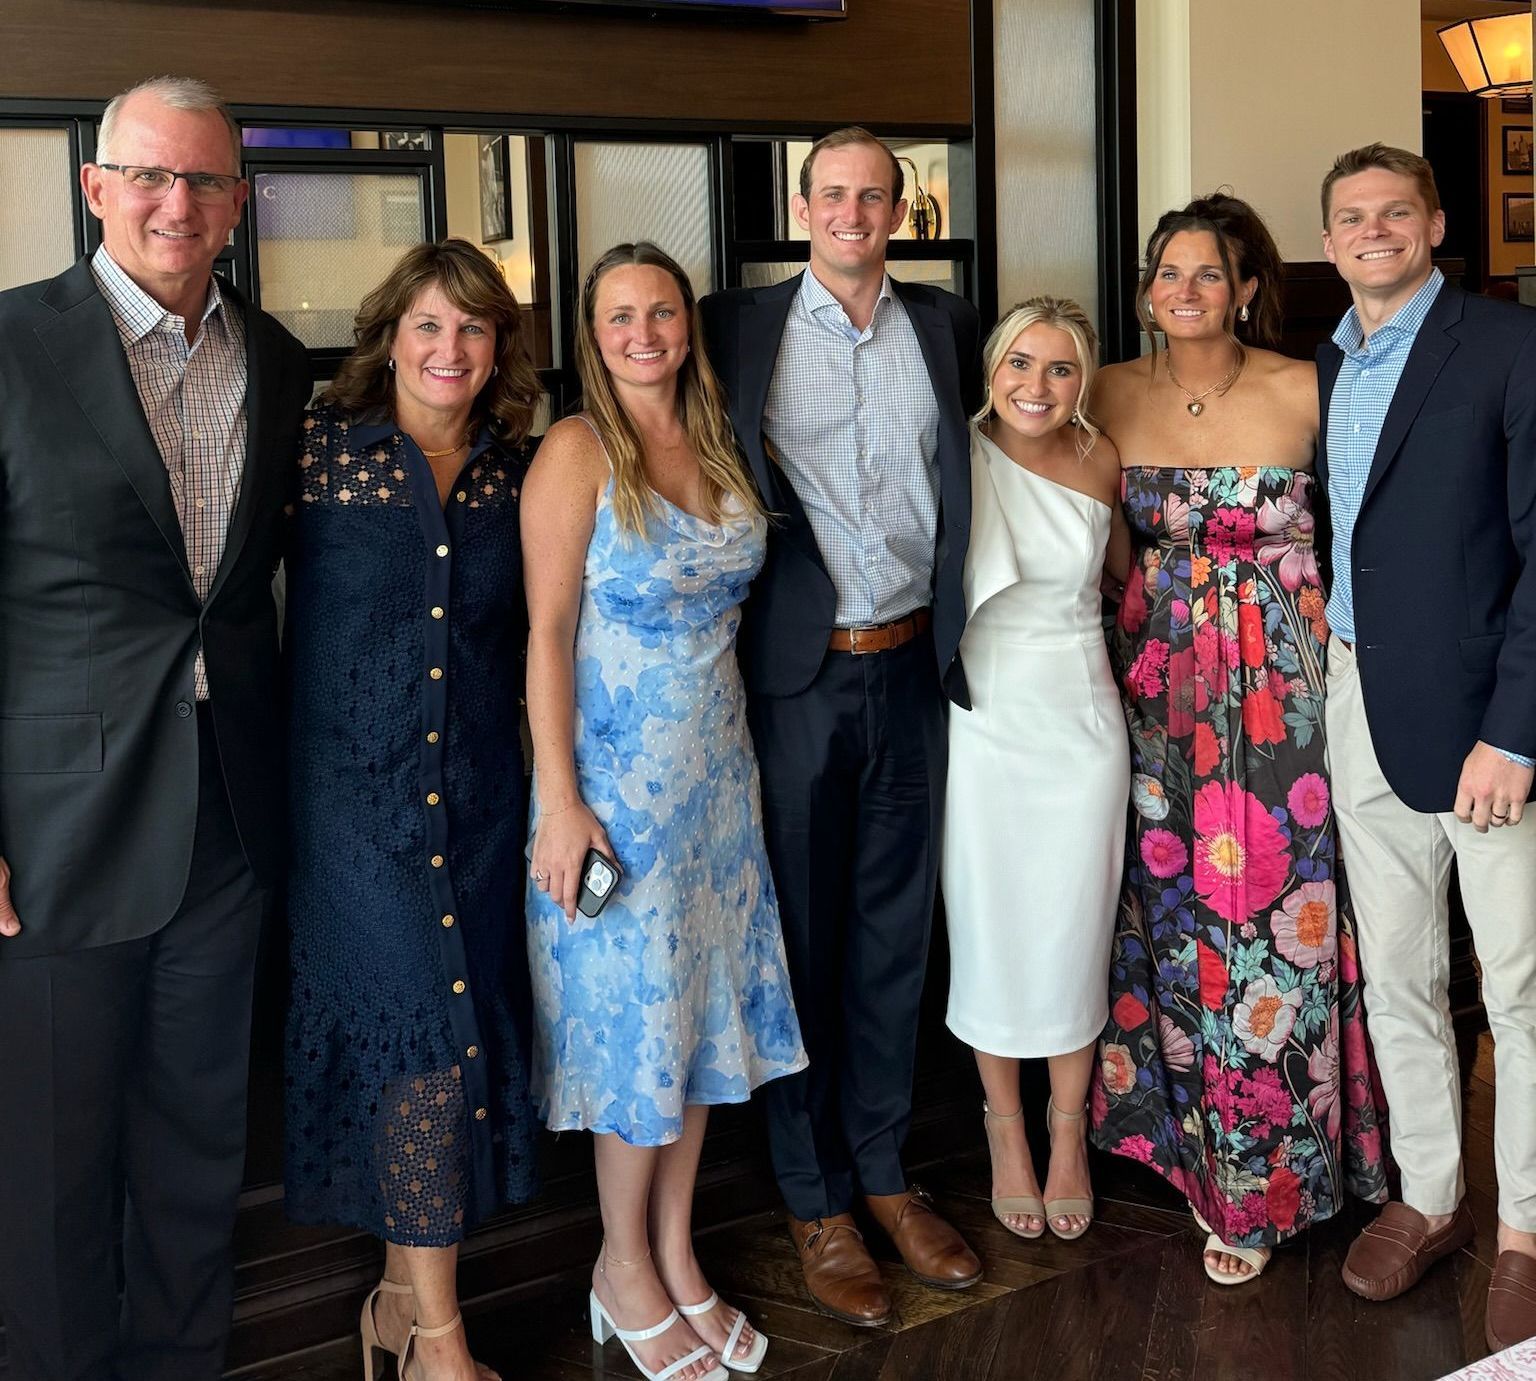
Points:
point(1255, 1258)
point(1066, 1208)
point(1018, 1205)
point(408, 1368)
point(369, 1330)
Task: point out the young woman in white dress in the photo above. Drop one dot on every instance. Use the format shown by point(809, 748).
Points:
point(1039, 767)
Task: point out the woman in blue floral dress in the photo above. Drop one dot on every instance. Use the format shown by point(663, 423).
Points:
point(642, 532)
point(1235, 1061)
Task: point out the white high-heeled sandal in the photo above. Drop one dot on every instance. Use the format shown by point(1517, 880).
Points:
point(754, 1359)
point(604, 1328)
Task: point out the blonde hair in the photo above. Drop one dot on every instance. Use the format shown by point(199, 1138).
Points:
point(1065, 315)
point(178, 93)
point(700, 405)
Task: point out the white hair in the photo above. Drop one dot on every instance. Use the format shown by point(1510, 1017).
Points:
point(179, 93)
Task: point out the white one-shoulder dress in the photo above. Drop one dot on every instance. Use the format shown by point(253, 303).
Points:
point(1039, 771)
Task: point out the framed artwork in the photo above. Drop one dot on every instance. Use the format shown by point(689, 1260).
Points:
point(1515, 105)
point(495, 190)
point(1519, 216)
point(1517, 148)
point(412, 140)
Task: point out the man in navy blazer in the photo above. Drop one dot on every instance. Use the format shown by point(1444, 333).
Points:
point(1429, 454)
point(849, 393)
point(149, 421)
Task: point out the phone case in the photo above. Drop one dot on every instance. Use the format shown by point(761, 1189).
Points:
point(600, 877)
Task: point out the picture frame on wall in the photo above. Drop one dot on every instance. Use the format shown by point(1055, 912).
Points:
point(1515, 105)
point(1519, 217)
point(495, 190)
point(1517, 149)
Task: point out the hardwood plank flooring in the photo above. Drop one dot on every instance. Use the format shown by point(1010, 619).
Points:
point(1128, 1302)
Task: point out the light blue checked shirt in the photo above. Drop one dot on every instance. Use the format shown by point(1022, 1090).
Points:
point(1368, 379)
point(854, 420)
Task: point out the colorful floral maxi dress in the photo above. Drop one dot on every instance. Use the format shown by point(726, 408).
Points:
point(1235, 1062)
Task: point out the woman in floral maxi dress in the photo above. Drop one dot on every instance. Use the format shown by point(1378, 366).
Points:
point(1235, 1062)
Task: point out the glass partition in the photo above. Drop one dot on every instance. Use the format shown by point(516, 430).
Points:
point(37, 186)
point(658, 192)
point(324, 238)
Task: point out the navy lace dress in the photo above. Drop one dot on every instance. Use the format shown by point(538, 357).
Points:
point(407, 1072)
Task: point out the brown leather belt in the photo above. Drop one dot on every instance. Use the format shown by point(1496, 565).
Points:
point(880, 637)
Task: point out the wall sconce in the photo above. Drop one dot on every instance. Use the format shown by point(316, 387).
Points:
point(923, 213)
point(1492, 56)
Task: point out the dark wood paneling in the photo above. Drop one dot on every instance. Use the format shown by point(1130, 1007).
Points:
point(1316, 297)
point(896, 63)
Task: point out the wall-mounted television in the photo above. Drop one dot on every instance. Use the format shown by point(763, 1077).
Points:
point(794, 9)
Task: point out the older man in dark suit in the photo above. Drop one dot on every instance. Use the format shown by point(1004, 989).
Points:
point(848, 392)
point(1429, 420)
point(148, 419)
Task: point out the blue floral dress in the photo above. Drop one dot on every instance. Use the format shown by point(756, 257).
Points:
point(677, 992)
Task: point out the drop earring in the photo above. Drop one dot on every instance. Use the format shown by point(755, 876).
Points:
point(391, 366)
point(1242, 312)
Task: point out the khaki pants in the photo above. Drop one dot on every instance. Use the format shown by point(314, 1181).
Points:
point(1397, 862)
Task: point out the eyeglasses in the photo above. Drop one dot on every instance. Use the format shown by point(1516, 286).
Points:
point(156, 183)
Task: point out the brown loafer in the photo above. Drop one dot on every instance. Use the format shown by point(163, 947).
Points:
point(934, 1252)
point(839, 1272)
point(1511, 1316)
point(1393, 1253)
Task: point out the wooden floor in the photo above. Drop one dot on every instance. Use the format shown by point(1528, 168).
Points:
point(1128, 1301)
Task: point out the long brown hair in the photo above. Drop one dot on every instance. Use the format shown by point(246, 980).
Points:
point(1247, 250)
point(700, 404)
point(364, 384)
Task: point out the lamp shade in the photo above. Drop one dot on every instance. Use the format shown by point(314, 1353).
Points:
point(1492, 56)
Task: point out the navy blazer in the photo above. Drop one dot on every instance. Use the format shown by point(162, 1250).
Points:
point(1442, 554)
point(100, 625)
point(790, 614)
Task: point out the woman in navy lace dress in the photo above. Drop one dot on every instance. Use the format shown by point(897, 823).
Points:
point(407, 1085)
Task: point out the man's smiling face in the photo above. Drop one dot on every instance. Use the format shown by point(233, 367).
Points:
point(1380, 233)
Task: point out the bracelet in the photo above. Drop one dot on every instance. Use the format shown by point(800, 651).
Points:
point(545, 814)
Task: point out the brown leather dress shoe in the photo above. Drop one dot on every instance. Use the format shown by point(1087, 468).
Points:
point(1392, 1254)
point(839, 1271)
point(1511, 1316)
point(934, 1252)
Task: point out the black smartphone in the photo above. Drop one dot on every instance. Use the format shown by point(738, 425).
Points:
point(600, 876)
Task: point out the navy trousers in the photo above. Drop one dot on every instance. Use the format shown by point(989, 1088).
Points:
point(853, 795)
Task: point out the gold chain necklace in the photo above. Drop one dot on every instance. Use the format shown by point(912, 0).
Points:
point(1196, 405)
point(438, 455)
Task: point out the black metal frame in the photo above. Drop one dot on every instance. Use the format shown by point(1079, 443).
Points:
point(1119, 250)
point(977, 255)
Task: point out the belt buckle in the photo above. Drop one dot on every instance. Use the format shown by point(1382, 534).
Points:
point(853, 642)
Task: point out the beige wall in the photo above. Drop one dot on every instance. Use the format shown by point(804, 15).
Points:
point(1437, 69)
point(1047, 197)
point(1261, 97)
point(461, 166)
